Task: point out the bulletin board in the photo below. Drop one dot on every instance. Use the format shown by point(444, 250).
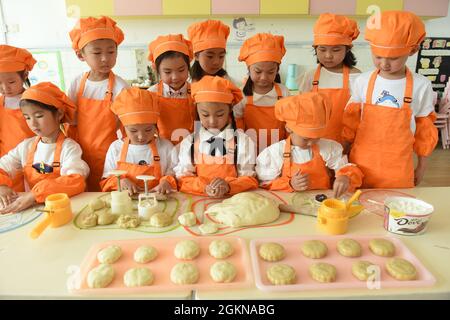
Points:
point(48, 68)
point(433, 61)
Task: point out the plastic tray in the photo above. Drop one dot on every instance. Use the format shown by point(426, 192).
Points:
point(344, 278)
point(163, 264)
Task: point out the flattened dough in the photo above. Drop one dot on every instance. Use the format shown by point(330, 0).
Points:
point(281, 274)
point(349, 248)
point(401, 269)
point(360, 269)
point(187, 219)
point(272, 251)
point(223, 271)
point(208, 228)
point(127, 221)
point(382, 247)
point(138, 277)
point(245, 209)
point(101, 276)
point(220, 249)
point(323, 272)
point(314, 249)
point(109, 254)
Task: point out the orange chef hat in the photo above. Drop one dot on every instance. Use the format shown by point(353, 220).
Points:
point(90, 29)
point(136, 106)
point(262, 47)
point(14, 59)
point(171, 42)
point(332, 30)
point(48, 93)
point(399, 33)
point(208, 34)
point(215, 89)
point(306, 114)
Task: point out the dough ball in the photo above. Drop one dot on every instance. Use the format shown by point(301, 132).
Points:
point(101, 276)
point(160, 220)
point(109, 254)
point(208, 228)
point(138, 277)
point(184, 273)
point(220, 249)
point(127, 221)
point(281, 274)
point(105, 217)
point(187, 250)
point(97, 204)
point(188, 219)
point(145, 254)
point(88, 220)
point(223, 271)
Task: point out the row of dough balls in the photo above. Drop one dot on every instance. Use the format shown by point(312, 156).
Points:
point(316, 249)
point(398, 268)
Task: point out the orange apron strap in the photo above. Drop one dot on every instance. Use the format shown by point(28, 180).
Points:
point(2, 101)
point(345, 77)
point(31, 151)
point(82, 86)
point(370, 86)
point(109, 92)
point(124, 151)
point(278, 90)
point(408, 89)
point(156, 160)
point(315, 82)
point(249, 100)
point(160, 89)
point(286, 170)
point(57, 157)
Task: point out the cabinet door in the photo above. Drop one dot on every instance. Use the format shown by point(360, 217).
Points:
point(384, 5)
point(235, 6)
point(284, 7)
point(87, 8)
point(439, 8)
point(137, 7)
point(343, 7)
point(186, 8)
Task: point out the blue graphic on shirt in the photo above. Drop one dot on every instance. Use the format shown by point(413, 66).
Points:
point(43, 168)
point(386, 99)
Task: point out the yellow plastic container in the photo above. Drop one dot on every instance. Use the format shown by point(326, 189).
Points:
point(59, 213)
point(332, 217)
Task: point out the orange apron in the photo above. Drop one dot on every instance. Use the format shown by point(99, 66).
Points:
point(211, 167)
point(134, 170)
point(175, 114)
point(339, 98)
point(96, 130)
point(32, 176)
point(263, 117)
point(383, 146)
point(315, 168)
point(14, 129)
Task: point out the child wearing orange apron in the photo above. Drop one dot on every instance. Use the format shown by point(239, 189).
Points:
point(216, 160)
point(95, 42)
point(209, 42)
point(50, 162)
point(255, 113)
point(301, 162)
point(390, 114)
point(333, 36)
point(171, 56)
point(141, 152)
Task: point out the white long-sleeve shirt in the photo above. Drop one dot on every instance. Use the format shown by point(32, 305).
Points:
point(168, 92)
point(390, 93)
point(137, 153)
point(327, 79)
point(71, 162)
point(262, 100)
point(269, 163)
point(245, 158)
point(95, 89)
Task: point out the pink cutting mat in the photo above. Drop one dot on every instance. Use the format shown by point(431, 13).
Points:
point(344, 278)
point(163, 264)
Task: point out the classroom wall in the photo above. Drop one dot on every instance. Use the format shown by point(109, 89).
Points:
point(43, 25)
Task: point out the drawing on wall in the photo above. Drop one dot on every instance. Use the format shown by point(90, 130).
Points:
point(241, 27)
point(433, 61)
point(48, 68)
